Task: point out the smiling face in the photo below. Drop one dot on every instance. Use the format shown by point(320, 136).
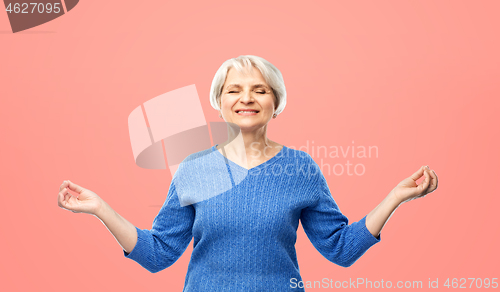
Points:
point(248, 92)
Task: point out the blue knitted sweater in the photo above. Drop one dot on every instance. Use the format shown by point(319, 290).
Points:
point(244, 223)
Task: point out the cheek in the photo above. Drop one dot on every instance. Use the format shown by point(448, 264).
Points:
point(223, 103)
point(269, 105)
point(226, 106)
point(228, 103)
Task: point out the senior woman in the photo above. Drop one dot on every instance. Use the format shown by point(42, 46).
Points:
point(244, 235)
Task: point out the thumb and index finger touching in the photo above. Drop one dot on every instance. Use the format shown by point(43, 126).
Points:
point(418, 174)
point(64, 196)
point(72, 186)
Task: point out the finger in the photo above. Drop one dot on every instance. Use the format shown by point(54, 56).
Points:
point(436, 177)
point(418, 174)
point(64, 202)
point(433, 181)
point(425, 183)
point(62, 198)
point(428, 179)
point(63, 185)
point(74, 187)
point(66, 195)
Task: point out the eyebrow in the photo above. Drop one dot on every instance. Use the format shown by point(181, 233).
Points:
point(254, 86)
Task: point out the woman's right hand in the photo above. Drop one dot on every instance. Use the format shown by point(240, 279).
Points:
point(86, 201)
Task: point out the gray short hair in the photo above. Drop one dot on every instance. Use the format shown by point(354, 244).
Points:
point(270, 73)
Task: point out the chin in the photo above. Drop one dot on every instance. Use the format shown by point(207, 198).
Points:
point(249, 127)
point(247, 124)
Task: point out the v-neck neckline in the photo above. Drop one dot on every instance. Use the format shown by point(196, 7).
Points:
point(273, 159)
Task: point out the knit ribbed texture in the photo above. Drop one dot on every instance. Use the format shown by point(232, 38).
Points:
point(244, 238)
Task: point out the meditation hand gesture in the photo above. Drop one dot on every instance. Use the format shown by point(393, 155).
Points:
point(408, 189)
point(86, 202)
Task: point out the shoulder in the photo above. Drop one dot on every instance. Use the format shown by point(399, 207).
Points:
point(299, 156)
point(198, 155)
point(310, 169)
point(201, 175)
point(300, 163)
point(195, 161)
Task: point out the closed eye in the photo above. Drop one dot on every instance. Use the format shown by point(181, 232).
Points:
point(260, 92)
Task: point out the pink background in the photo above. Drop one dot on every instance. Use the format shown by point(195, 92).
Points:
point(417, 79)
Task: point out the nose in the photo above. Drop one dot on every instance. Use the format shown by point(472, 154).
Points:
point(247, 97)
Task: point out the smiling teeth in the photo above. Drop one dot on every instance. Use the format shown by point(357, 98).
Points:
point(247, 111)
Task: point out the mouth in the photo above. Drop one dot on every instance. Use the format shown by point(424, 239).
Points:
point(247, 112)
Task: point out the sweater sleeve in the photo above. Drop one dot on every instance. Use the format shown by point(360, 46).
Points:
point(328, 230)
point(161, 246)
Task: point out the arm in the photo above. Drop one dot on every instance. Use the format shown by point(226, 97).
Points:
point(161, 246)
point(123, 231)
point(154, 249)
point(89, 202)
point(376, 219)
point(329, 230)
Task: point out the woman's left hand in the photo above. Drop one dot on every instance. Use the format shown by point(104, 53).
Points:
point(408, 189)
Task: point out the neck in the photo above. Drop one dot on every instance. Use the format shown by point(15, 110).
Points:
point(247, 144)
